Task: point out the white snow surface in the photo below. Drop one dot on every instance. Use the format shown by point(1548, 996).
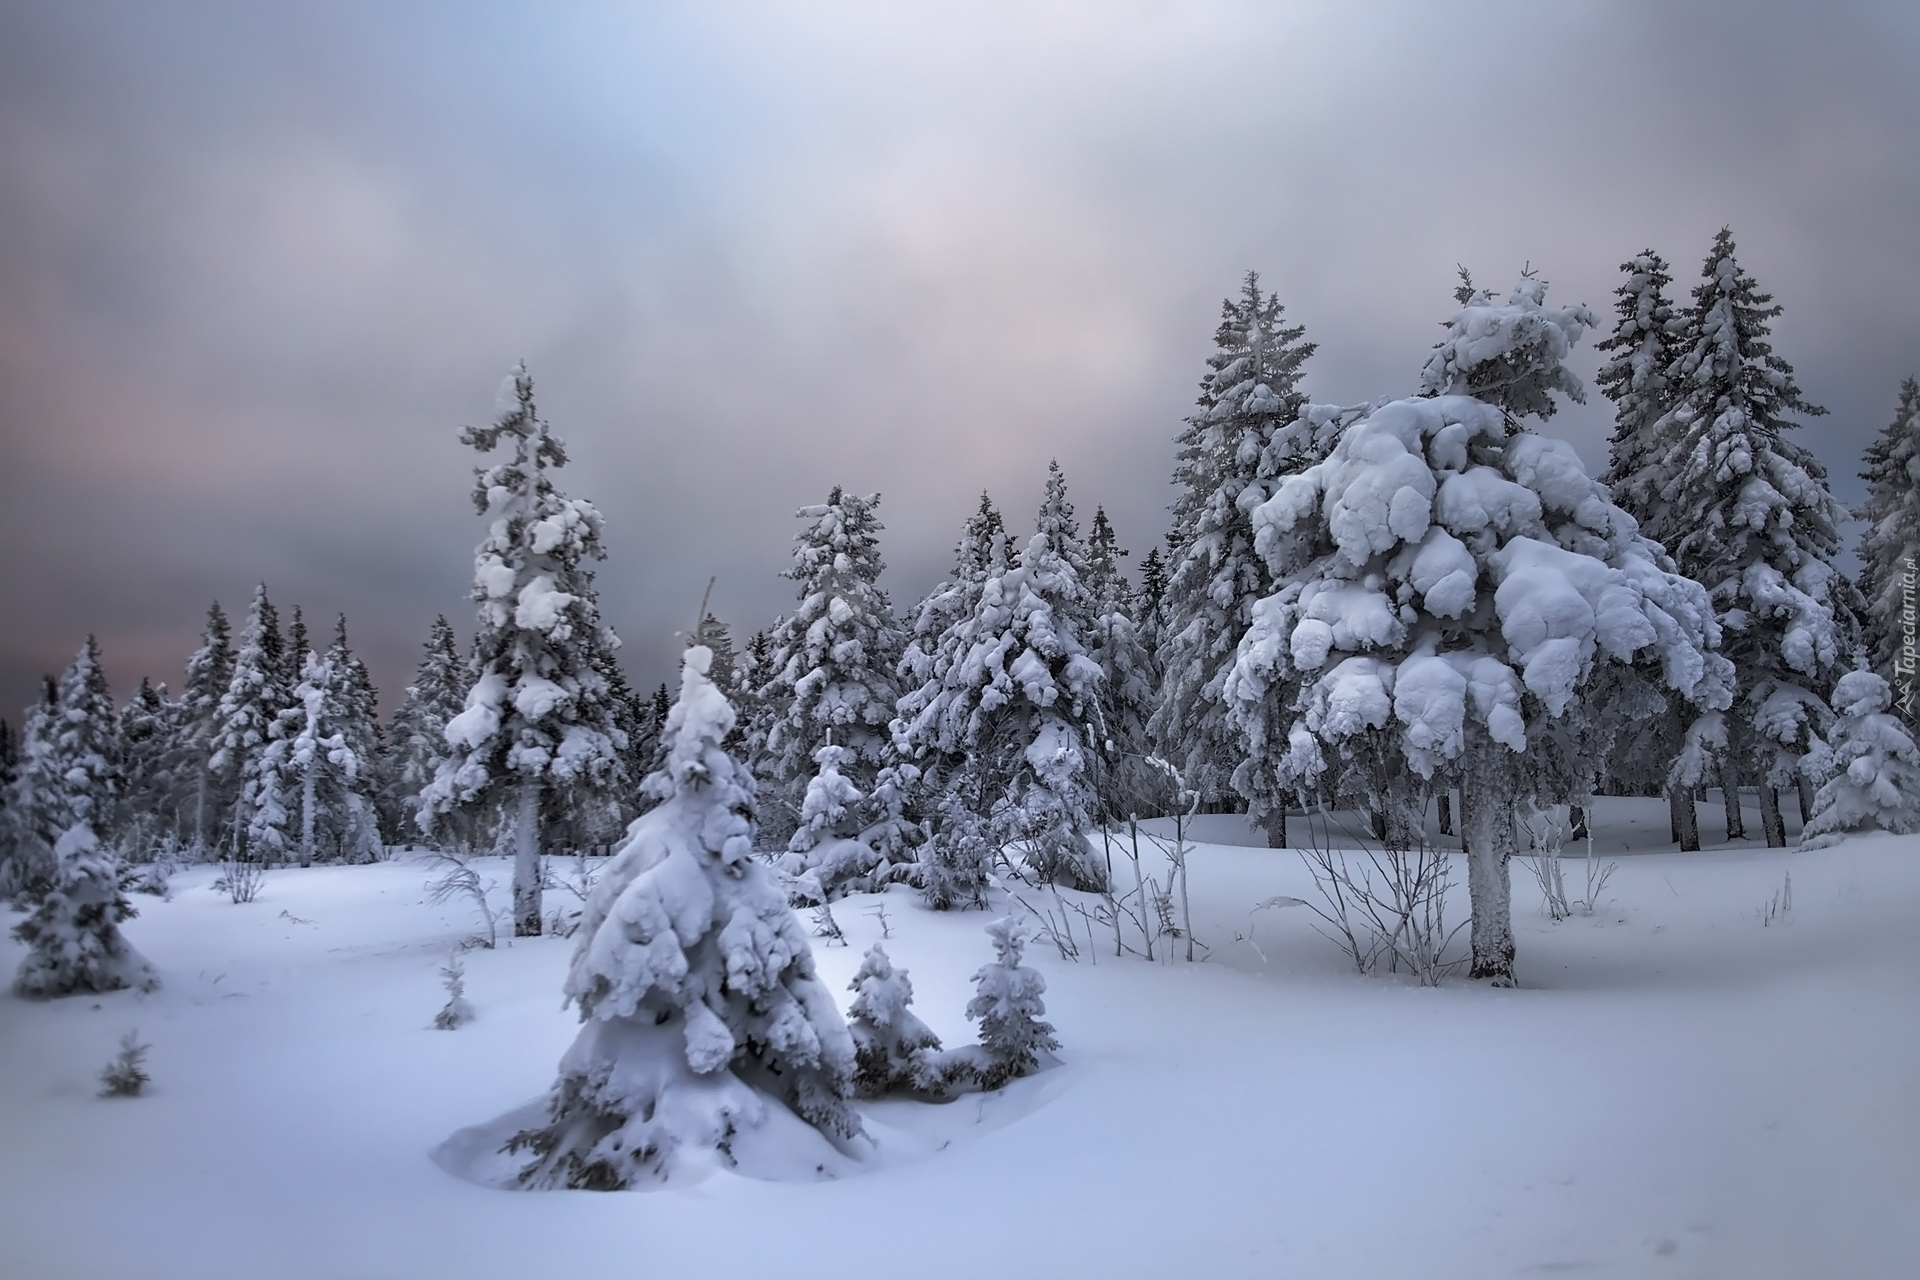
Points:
point(1678, 1088)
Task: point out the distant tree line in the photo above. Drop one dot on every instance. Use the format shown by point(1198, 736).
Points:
point(1377, 607)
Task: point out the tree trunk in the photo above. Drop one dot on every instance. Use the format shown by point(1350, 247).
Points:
point(1486, 828)
point(1730, 796)
point(1276, 824)
point(200, 814)
point(309, 786)
point(526, 861)
point(1770, 820)
point(1804, 789)
point(1404, 824)
point(1686, 823)
point(1446, 812)
point(1380, 825)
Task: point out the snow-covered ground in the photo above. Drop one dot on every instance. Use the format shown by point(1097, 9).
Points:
point(1680, 1087)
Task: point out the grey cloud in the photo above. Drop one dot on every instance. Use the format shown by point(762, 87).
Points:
point(263, 264)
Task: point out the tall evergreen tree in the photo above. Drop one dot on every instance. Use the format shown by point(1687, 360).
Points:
point(317, 775)
point(1890, 549)
point(254, 698)
point(1641, 350)
point(1016, 712)
point(1119, 643)
point(829, 673)
point(293, 653)
point(416, 738)
point(1647, 339)
point(36, 813)
point(1456, 600)
point(87, 746)
point(1746, 511)
point(953, 860)
point(1249, 393)
point(209, 673)
point(538, 721)
point(150, 795)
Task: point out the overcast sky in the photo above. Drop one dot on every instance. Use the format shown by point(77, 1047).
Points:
point(262, 262)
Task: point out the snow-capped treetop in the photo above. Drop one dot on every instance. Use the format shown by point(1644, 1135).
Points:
point(209, 672)
point(416, 739)
point(1890, 544)
point(357, 702)
point(87, 745)
point(832, 661)
point(1024, 642)
point(1645, 334)
point(255, 693)
point(981, 553)
point(1509, 355)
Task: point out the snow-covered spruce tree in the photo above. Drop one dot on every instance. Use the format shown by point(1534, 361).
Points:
point(1017, 706)
point(416, 738)
point(87, 745)
point(830, 688)
point(1647, 335)
point(1117, 641)
point(1890, 545)
point(708, 1038)
point(538, 722)
point(1249, 393)
point(1465, 592)
point(1746, 512)
point(953, 859)
point(316, 781)
point(1871, 765)
point(1008, 1007)
point(73, 936)
point(150, 794)
point(69, 772)
point(209, 673)
point(36, 801)
point(1641, 350)
point(892, 1049)
point(254, 698)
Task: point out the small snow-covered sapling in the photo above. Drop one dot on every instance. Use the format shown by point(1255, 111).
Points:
point(126, 1075)
point(893, 1050)
point(1008, 1007)
point(457, 1013)
point(1871, 768)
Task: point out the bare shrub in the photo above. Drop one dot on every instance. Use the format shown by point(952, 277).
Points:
point(455, 876)
point(1382, 904)
point(240, 879)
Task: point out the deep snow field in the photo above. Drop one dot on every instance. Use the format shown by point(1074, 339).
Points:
point(1680, 1087)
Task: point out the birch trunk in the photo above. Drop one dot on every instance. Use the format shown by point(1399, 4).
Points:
point(309, 788)
point(526, 861)
point(1486, 828)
